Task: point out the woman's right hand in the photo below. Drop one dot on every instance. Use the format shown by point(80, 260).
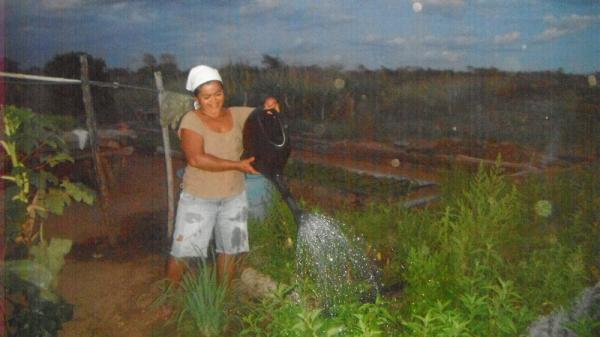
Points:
point(245, 165)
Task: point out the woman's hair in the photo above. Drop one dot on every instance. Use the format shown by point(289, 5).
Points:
point(197, 90)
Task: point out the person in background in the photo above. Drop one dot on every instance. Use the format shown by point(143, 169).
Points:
point(213, 199)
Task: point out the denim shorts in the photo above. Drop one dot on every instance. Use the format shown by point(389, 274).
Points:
point(198, 218)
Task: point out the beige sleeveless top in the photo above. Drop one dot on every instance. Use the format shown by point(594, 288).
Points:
point(225, 145)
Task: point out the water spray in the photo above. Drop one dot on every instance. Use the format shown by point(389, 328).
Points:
point(323, 253)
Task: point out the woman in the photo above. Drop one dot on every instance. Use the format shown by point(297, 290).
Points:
point(213, 197)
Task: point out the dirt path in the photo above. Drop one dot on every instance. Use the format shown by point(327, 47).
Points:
point(112, 298)
point(112, 274)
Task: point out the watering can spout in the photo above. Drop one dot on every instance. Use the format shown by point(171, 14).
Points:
point(284, 190)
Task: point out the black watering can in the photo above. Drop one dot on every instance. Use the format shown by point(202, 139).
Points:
point(266, 139)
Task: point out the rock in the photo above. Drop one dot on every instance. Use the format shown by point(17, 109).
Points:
point(587, 307)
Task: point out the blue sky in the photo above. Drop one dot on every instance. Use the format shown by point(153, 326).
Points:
point(516, 35)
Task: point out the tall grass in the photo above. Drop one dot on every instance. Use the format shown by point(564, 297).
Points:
point(200, 302)
point(204, 300)
point(488, 260)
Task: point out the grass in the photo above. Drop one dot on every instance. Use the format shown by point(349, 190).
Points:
point(485, 262)
point(200, 302)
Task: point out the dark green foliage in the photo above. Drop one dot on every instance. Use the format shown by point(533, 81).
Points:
point(67, 99)
point(32, 315)
point(273, 242)
point(35, 307)
point(279, 315)
point(484, 262)
point(34, 147)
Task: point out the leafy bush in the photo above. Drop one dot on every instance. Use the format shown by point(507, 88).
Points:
point(280, 315)
point(31, 284)
point(34, 146)
point(484, 262)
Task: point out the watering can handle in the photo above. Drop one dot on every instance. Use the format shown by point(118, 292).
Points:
point(281, 127)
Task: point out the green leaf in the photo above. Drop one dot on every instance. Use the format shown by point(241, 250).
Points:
point(55, 201)
point(79, 192)
point(30, 271)
point(334, 331)
point(58, 158)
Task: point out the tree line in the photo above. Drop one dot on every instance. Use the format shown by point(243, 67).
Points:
point(332, 102)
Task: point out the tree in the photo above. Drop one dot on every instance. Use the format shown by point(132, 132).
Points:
point(13, 93)
point(272, 62)
point(149, 60)
point(168, 67)
point(67, 99)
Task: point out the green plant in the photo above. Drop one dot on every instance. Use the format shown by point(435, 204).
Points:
point(282, 315)
point(584, 327)
point(203, 299)
point(31, 285)
point(274, 242)
point(310, 324)
point(438, 321)
point(34, 147)
point(482, 263)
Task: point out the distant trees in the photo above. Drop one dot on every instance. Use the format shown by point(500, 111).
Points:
point(67, 99)
point(166, 64)
point(382, 104)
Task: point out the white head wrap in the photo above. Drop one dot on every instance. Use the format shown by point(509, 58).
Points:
point(200, 75)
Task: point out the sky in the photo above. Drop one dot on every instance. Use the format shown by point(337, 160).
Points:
point(512, 35)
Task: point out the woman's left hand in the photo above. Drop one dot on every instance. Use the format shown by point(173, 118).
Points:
point(245, 165)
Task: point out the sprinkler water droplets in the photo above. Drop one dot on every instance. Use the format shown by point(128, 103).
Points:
point(339, 268)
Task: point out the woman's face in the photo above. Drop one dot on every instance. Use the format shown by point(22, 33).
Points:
point(211, 96)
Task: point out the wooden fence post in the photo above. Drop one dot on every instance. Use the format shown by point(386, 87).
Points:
point(164, 125)
point(92, 130)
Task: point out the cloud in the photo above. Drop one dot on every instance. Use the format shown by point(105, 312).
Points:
point(453, 42)
point(559, 27)
point(443, 56)
point(61, 4)
point(129, 12)
point(442, 3)
point(507, 38)
point(259, 6)
point(337, 18)
point(397, 41)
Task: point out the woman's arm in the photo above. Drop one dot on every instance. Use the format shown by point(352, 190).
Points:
point(193, 147)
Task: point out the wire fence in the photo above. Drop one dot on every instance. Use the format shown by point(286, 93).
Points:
point(144, 113)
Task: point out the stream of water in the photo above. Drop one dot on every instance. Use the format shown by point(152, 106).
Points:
point(336, 267)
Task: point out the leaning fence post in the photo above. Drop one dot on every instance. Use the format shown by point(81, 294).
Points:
point(92, 128)
point(164, 125)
